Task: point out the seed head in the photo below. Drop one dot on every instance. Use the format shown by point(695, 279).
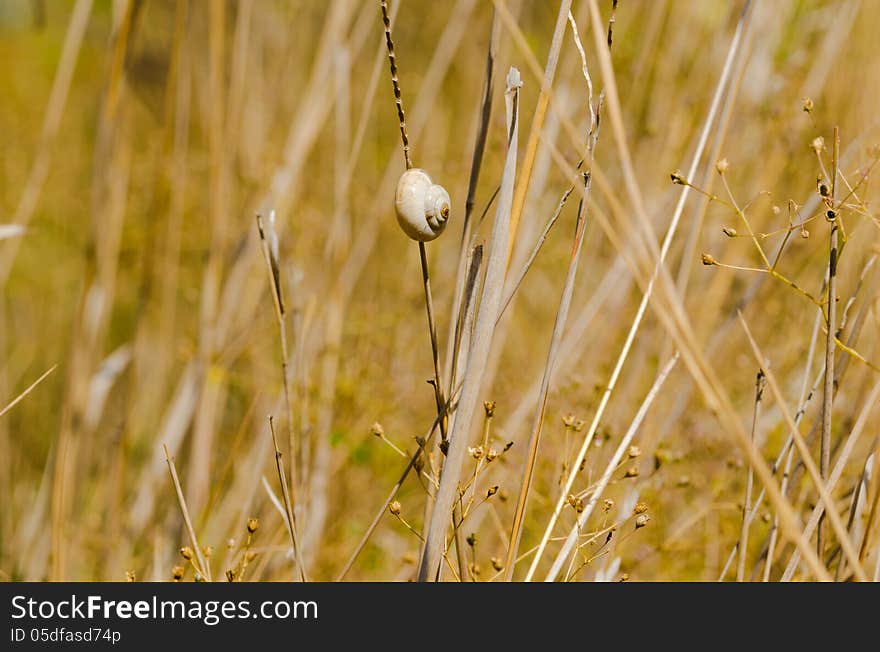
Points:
point(607, 505)
point(492, 491)
point(729, 232)
point(253, 525)
point(634, 451)
point(708, 260)
point(177, 573)
point(640, 508)
point(472, 539)
point(721, 166)
point(642, 520)
point(576, 502)
point(818, 144)
point(678, 178)
point(394, 508)
point(377, 430)
point(130, 576)
point(489, 407)
point(476, 452)
point(491, 454)
point(186, 552)
point(632, 472)
point(497, 564)
point(807, 105)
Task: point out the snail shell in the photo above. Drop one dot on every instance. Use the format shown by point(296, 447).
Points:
point(422, 206)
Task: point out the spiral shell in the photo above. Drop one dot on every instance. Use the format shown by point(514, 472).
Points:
point(422, 206)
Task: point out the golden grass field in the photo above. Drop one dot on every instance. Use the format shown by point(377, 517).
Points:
point(140, 140)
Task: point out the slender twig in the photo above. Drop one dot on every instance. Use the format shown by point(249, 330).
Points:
point(290, 521)
point(204, 568)
point(269, 243)
point(830, 323)
point(747, 501)
point(432, 328)
point(423, 258)
point(27, 391)
point(539, 243)
point(398, 101)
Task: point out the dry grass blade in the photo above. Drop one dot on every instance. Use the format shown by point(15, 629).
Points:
point(830, 326)
point(531, 150)
point(290, 519)
point(462, 275)
point(515, 284)
point(743, 544)
point(141, 140)
point(269, 242)
point(204, 568)
point(484, 327)
point(556, 337)
point(27, 391)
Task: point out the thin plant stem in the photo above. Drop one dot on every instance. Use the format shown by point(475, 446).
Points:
point(556, 338)
point(204, 568)
point(830, 322)
point(268, 242)
point(290, 521)
point(747, 501)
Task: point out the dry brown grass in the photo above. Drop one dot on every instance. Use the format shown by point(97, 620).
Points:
point(609, 315)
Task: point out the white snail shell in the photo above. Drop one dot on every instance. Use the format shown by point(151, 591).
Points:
point(421, 205)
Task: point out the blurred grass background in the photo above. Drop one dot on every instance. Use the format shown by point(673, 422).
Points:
point(140, 275)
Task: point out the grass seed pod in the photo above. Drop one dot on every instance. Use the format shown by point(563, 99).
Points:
point(422, 206)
